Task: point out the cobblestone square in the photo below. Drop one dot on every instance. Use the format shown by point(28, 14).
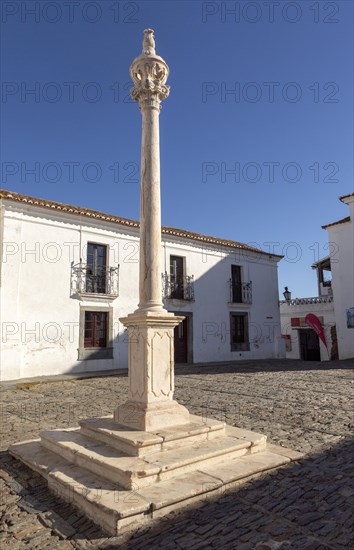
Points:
point(307, 406)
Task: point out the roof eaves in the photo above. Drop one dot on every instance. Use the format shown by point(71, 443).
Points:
point(321, 261)
point(344, 220)
point(77, 210)
point(346, 197)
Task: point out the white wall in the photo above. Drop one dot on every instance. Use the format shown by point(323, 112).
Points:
point(342, 237)
point(211, 267)
point(40, 318)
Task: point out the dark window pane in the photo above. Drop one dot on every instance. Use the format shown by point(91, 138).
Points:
point(177, 277)
point(96, 325)
point(239, 329)
point(236, 283)
point(96, 268)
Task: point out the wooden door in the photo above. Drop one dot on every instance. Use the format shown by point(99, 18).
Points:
point(181, 341)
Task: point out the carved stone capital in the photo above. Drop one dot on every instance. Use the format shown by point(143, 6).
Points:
point(149, 73)
point(150, 97)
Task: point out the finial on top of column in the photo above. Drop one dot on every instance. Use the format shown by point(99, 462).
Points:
point(149, 42)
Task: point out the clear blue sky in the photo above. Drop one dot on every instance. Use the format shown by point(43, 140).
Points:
point(287, 128)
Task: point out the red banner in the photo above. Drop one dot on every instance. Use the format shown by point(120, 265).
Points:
point(314, 322)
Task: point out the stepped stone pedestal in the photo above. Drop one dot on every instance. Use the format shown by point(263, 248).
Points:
point(122, 478)
point(152, 456)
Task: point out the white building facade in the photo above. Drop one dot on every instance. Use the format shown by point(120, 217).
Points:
point(341, 240)
point(68, 274)
point(334, 305)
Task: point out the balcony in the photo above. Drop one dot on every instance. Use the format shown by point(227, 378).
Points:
point(240, 293)
point(100, 282)
point(180, 289)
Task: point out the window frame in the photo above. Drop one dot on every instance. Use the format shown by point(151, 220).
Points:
point(178, 292)
point(236, 289)
point(94, 328)
point(241, 345)
point(90, 353)
point(95, 268)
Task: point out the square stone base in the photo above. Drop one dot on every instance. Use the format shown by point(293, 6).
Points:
point(151, 416)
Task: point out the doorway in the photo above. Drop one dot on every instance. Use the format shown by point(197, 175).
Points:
point(309, 345)
point(183, 341)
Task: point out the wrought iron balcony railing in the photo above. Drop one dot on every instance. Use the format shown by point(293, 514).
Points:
point(308, 301)
point(101, 280)
point(240, 293)
point(178, 289)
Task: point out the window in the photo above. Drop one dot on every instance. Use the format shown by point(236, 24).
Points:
point(96, 333)
point(236, 284)
point(176, 285)
point(326, 276)
point(94, 276)
point(96, 269)
point(177, 277)
point(96, 325)
point(239, 332)
point(240, 292)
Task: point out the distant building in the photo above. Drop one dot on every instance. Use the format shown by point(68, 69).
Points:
point(69, 273)
point(334, 305)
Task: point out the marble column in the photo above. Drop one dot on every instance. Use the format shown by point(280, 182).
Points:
point(150, 404)
point(149, 73)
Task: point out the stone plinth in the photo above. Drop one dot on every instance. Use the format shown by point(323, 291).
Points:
point(150, 404)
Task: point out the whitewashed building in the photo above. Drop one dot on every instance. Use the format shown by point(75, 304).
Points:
point(301, 340)
point(334, 305)
point(341, 241)
point(68, 274)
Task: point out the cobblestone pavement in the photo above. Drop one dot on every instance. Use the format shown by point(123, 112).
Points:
point(307, 505)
